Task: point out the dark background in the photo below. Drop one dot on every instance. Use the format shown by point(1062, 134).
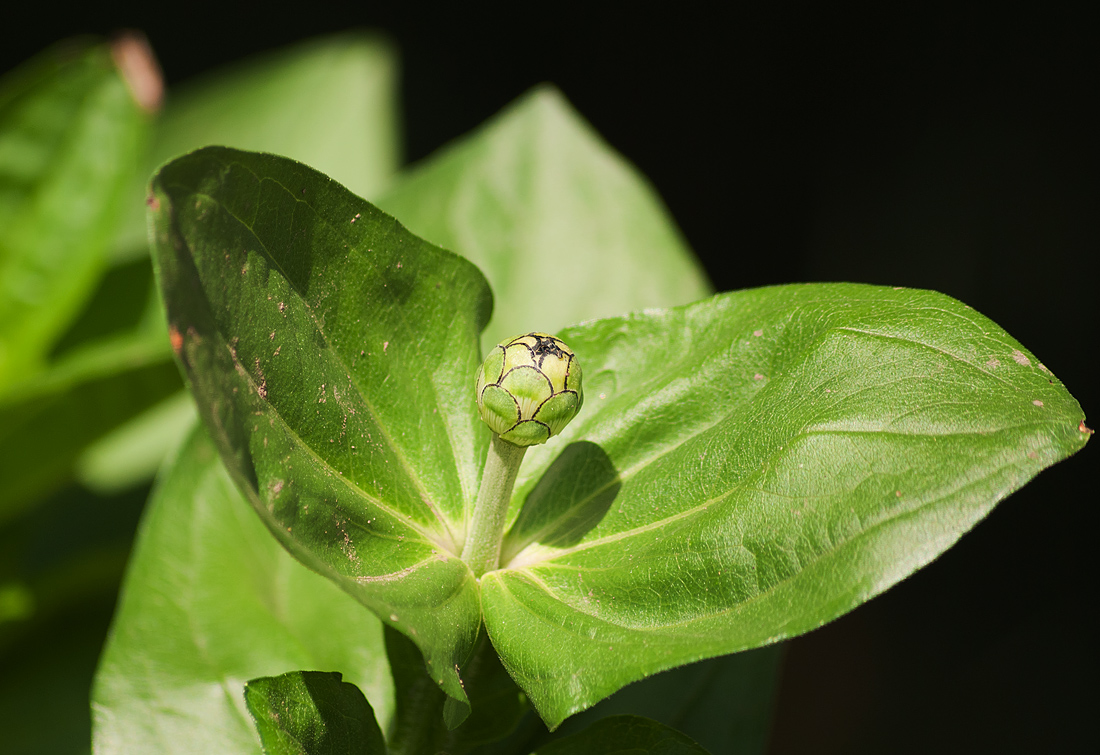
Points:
point(934, 149)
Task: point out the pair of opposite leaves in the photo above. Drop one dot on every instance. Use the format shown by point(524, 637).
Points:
point(746, 468)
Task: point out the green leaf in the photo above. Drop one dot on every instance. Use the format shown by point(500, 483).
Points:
point(749, 467)
point(724, 703)
point(562, 226)
point(329, 102)
point(312, 713)
point(46, 424)
point(424, 715)
point(70, 136)
point(624, 735)
point(210, 601)
point(330, 351)
point(131, 453)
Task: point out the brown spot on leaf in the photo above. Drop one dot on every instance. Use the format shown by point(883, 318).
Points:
point(1085, 428)
point(176, 338)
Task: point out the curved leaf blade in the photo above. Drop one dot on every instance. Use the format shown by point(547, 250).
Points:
point(313, 713)
point(536, 196)
point(781, 456)
point(329, 350)
point(210, 601)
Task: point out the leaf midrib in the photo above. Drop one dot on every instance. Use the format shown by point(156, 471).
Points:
point(744, 484)
point(667, 449)
point(387, 436)
point(527, 575)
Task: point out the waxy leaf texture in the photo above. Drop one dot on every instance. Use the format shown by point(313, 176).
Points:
point(210, 601)
point(752, 466)
point(329, 351)
point(564, 228)
point(745, 469)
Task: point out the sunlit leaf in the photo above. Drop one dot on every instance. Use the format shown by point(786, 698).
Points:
point(330, 352)
point(211, 601)
point(749, 467)
point(562, 226)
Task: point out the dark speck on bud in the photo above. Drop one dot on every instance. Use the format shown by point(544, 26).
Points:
point(529, 388)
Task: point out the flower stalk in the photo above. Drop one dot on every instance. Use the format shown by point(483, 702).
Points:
point(482, 549)
point(527, 390)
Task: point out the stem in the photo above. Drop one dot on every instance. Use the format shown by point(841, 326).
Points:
point(482, 549)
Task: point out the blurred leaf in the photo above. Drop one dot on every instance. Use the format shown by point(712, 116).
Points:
point(16, 601)
point(312, 713)
point(329, 102)
point(68, 556)
point(46, 424)
point(724, 703)
point(130, 454)
point(624, 735)
point(330, 352)
point(562, 226)
point(70, 137)
point(778, 457)
point(210, 601)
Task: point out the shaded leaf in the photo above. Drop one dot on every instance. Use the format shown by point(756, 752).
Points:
point(46, 424)
point(624, 735)
point(724, 704)
point(210, 601)
point(562, 226)
point(782, 455)
point(131, 453)
point(330, 352)
point(329, 102)
point(312, 713)
point(423, 716)
point(70, 137)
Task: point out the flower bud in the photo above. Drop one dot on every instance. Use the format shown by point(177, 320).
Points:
point(529, 388)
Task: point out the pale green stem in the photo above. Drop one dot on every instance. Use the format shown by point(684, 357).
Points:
point(482, 549)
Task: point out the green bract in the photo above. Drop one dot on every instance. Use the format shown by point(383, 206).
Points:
point(529, 388)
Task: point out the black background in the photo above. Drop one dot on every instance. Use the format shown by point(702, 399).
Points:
point(934, 148)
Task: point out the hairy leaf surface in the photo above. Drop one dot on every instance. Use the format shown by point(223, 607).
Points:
point(749, 467)
point(329, 350)
point(212, 600)
point(562, 226)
